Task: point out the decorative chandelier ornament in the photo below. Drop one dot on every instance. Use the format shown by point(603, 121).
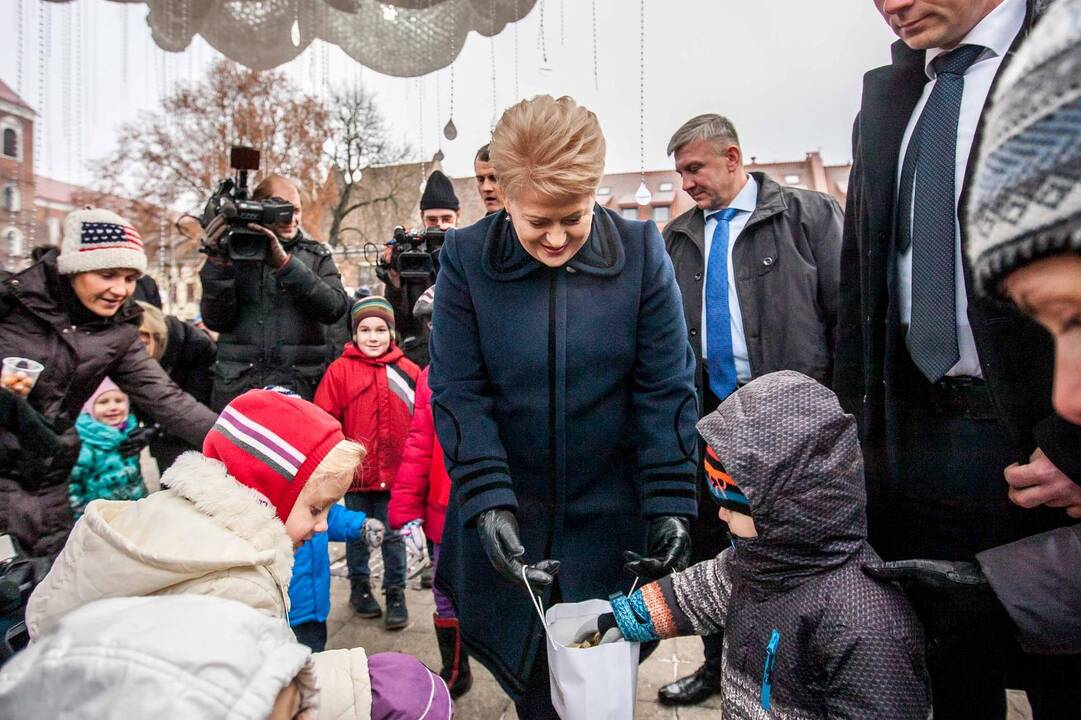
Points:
point(643, 196)
point(262, 34)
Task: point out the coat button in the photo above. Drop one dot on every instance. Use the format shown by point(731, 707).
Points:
point(15, 283)
point(767, 261)
point(382, 485)
point(698, 276)
point(66, 330)
point(694, 332)
point(571, 270)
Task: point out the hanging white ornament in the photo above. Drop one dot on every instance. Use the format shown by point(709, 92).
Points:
point(450, 131)
point(294, 33)
point(438, 157)
point(643, 196)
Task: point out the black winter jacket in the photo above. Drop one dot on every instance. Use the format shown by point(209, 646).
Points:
point(273, 324)
point(77, 354)
point(795, 599)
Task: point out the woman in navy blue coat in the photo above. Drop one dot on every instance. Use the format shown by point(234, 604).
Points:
point(563, 397)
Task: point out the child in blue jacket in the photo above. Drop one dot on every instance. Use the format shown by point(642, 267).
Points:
point(103, 471)
point(309, 590)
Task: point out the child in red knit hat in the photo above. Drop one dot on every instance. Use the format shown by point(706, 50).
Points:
point(226, 522)
point(370, 389)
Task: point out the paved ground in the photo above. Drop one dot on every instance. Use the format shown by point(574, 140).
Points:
point(486, 701)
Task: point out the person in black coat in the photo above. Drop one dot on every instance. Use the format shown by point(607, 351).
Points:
point(187, 354)
point(951, 390)
point(272, 316)
point(563, 397)
point(146, 290)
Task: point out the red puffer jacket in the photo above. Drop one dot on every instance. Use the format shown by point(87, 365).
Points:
point(422, 489)
point(373, 400)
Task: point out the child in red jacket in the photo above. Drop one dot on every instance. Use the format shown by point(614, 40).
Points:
point(418, 507)
point(370, 390)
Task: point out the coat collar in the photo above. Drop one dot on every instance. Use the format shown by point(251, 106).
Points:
point(393, 355)
point(504, 259)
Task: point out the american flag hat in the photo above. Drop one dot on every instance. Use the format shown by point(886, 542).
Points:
point(97, 239)
point(272, 443)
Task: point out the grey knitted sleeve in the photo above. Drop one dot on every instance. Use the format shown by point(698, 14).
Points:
point(702, 591)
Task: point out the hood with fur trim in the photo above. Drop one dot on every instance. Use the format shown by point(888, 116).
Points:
point(205, 534)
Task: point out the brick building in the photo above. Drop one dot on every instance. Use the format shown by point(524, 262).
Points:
point(16, 178)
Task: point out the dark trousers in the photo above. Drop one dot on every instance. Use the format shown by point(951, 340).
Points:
point(374, 504)
point(942, 495)
point(709, 535)
point(313, 634)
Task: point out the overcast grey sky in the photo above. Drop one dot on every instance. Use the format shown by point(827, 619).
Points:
point(787, 72)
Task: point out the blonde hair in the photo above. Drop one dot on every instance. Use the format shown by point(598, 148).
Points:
point(553, 147)
point(338, 467)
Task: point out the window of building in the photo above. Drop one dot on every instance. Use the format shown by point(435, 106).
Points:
point(791, 179)
point(630, 213)
point(604, 190)
point(13, 243)
point(53, 224)
point(11, 199)
point(665, 187)
point(661, 213)
point(11, 142)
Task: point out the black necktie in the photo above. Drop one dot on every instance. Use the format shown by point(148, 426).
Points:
point(927, 216)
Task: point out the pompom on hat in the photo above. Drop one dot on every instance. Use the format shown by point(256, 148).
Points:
point(97, 239)
point(1025, 201)
point(272, 443)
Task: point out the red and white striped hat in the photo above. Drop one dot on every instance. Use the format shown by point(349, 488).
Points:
point(97, 239)
point(272, 443)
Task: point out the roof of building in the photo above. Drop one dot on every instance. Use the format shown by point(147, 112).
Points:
point(55, 191)
point(9, 95)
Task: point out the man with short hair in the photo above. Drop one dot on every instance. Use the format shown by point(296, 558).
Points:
point(486, 181)
point(950, 390)
point(272, 315)
point(758, 265)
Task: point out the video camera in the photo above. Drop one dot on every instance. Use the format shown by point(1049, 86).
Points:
point(232, 200)
point(414, 256)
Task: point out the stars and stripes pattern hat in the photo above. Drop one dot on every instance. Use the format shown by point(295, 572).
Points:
point(97, 239)
point(272, 443)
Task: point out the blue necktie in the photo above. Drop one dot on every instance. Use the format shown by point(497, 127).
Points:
point(927, 216)
point(720, 363)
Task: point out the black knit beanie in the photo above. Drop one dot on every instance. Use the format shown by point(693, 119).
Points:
point(438, 193)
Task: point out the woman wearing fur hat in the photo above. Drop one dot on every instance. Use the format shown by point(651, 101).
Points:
point(71, 311)
point(563, 395)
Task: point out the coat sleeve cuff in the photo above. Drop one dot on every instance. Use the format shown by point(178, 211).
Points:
point(494, 493)
point(1060, 441)
point(669, 494)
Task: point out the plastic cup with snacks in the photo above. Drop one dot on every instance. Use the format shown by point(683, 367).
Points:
point(19, 375)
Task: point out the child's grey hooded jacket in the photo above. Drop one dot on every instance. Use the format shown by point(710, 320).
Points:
point(807, 633)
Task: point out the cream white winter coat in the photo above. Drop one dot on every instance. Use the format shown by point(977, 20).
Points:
point(206, 534)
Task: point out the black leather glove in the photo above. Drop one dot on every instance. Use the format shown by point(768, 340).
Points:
point(498, 530)
point(953, 598)
point(669, 548)
point(138, 439)
point(34, 432)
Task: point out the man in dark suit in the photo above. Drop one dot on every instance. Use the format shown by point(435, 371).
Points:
point(952, 391)
point(757, 264)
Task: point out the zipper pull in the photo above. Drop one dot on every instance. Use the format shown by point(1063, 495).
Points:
point(767, 670)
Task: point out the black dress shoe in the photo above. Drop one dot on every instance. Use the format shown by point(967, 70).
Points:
point(693, 689)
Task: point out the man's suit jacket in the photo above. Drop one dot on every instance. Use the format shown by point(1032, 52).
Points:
point(1016, 355)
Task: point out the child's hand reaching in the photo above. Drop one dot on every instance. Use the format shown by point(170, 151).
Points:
point(372, 532)
point(412, 534)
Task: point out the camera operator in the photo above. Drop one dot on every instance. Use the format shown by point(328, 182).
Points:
point(438, 209)
point(272, 314)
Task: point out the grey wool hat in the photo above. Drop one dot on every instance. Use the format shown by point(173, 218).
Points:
point(1025, 200)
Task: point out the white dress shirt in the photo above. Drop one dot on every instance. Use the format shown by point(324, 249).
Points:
point(996, 32)
point(746, 200)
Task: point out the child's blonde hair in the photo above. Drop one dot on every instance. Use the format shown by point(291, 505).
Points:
point(553, 147)
point(338, 467)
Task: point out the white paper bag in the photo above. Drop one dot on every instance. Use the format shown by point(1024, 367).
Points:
point(597, 683)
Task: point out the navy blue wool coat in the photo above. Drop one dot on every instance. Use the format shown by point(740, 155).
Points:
point(566, 394)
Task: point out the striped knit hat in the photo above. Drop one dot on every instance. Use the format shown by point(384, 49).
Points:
point(372, 306)
point(272, 443)
point(96, 239)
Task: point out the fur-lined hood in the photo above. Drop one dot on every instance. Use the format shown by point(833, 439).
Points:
point(204, 534)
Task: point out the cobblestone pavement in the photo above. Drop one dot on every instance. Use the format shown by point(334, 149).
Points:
point(486, 701)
